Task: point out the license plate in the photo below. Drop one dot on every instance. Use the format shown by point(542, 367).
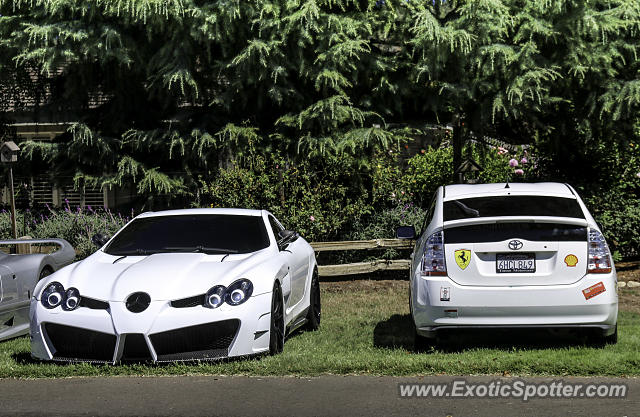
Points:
point(515, 263)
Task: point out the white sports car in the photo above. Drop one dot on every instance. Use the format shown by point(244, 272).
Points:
point(511, 255)
point(192, 284)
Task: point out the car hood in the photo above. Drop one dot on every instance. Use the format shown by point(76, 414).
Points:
point(166, 276)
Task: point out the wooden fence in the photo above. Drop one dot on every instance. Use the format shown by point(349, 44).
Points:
point(363, 267)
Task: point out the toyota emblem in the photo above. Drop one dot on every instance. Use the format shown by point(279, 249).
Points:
point(515, 245)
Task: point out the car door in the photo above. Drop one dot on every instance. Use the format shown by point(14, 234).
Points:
point(298, 260)
point(9, 287)
point(8, 298)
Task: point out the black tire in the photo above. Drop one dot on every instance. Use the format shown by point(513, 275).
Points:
point(422, 344)
point(46, 271)
point(315, 309)
point(596, 339)
point(276, 331)
point(612, 339)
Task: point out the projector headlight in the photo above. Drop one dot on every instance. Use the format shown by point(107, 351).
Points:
point(238, 292)
point(71, 299)
point(53, 295)
point(215, 297)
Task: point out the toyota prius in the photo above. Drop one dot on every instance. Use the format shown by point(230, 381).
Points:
point(511, 256)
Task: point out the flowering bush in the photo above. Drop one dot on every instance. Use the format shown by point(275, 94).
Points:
point(76, 225)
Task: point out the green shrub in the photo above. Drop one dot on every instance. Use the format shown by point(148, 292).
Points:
point(317, 200)
point(77, 226)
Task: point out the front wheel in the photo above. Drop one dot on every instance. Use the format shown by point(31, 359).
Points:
point(276, 331)
point(46, 271)
point(315, 309)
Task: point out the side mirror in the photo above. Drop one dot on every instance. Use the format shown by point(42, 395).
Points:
point(99, 239)
point(287, 235)
point(406, 232)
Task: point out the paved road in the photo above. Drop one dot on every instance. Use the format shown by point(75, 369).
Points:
point(241, 396)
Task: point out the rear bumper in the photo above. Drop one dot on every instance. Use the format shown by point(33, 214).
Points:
point(517, 306)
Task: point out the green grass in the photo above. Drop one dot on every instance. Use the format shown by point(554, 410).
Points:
point(368, 331)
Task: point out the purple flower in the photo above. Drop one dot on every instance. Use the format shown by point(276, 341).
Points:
point(524, 160)
point(513, 163)
point(519, 172)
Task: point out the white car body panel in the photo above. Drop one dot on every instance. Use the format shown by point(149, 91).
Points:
point(479, 296)
point(168, 277)
point(19, 274)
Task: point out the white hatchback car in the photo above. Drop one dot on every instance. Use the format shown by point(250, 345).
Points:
point(511, 255)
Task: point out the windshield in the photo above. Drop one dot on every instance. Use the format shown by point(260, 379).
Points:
point(513, 205)
point(204, 233)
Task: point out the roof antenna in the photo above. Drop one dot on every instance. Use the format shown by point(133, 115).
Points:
point(507, 185)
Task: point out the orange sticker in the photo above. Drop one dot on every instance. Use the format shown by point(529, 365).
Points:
point(571, 260)
point(593, 290)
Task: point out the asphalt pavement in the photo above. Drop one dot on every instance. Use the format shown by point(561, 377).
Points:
point(289, 396)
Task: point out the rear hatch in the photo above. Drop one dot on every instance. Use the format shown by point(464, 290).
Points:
point(515, 240)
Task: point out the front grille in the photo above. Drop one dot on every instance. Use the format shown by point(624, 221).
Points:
point(205, 341)
point(74, 343)
point(194, 301)
point(93, 304)
point(135, 348)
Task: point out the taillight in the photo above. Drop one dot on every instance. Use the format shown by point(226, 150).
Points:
point(599, 257)
point(433, 257)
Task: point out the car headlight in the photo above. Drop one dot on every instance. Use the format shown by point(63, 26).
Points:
point(53, 295)
point(238, 292)
point(215, 297)
point(71, 299)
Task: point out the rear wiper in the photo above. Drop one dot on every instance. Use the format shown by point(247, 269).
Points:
point(467, 210)
point(199, 249)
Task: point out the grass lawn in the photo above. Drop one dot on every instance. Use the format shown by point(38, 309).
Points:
point(366, 329)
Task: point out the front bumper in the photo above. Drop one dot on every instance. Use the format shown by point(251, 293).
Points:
point(555, 306)
point(161, 333)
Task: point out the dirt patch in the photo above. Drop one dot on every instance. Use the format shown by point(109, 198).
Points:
point(365, 285)
point(629, 298)
point(628, 271)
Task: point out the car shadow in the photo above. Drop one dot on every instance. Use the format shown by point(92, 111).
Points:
point(398, 332)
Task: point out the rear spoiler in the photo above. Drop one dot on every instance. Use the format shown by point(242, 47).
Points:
point(64, 255)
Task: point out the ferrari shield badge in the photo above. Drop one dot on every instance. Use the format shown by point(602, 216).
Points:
point(463, 257)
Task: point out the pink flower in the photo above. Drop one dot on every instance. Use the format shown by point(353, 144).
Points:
point(313, 219)
point(513, 162)
point(519, 172)
point(524, 160)
point(638, 175)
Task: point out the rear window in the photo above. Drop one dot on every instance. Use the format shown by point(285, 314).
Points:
point(497, 232)
point(209, 233)
point(512, 205)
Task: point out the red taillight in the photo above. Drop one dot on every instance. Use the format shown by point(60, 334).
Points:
point(599, 257)
point(433, 263)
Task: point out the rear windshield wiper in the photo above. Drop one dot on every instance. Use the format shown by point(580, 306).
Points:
point(467, 210)
point(199, 249)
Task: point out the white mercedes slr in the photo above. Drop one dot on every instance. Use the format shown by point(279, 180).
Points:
point(511, 255)
point(196, 284)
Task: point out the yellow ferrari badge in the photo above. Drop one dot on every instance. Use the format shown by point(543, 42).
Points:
point(463, 257)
